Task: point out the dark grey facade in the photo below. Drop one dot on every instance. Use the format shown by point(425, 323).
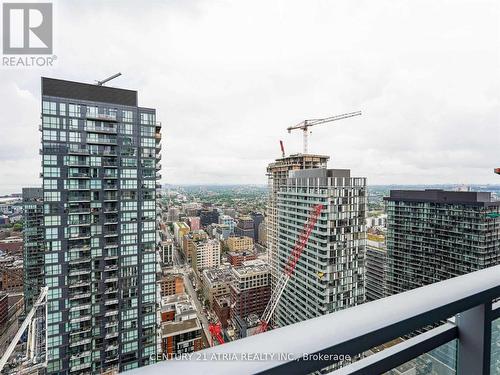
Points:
point(376, 264)
point(209, 216)
point(34, 245)
point(434, 235)
point(245, 227)
point(257, 218)
point(100, 161)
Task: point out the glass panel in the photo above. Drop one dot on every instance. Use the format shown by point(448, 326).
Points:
point(440, 361)
point(495, 347)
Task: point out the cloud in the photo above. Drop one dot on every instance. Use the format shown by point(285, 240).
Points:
point(228, 78)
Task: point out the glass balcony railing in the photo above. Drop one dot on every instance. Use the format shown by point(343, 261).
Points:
point(465, 338)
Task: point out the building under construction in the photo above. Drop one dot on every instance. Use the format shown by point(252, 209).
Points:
point(277, 174)
point(330, 272)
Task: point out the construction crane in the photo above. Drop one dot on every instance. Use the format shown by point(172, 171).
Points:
point(101, 83)
point(289, 268)
point(215, 331)
point(306, 124)
point(35, 322)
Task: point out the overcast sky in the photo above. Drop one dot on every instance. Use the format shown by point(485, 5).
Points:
point(228, 77)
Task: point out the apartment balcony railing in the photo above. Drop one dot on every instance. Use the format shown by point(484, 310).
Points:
point(102, 116)
point(108, 129)
point(465, 302)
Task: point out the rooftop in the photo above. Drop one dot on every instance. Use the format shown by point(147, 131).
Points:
point(218, 274)
point(89, 92)
point(443, 196)
point(251, 267)
point(175, 328)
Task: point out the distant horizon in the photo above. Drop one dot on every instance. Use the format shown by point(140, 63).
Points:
point(4, 194)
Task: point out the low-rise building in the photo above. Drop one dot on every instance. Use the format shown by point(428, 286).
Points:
point(245, 227)
point(236, 259)
point(216, 282)
point(171, 284)
point(206, 254)
point(250, 289)
point(222, 308)
point(181, 330)
point(239, 244)
point(194, 222)
point(180, 230)
point(189, 243)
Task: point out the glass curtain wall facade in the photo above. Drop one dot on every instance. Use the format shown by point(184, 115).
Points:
point(33, 247)
point(99, 155)
point(434, 235)
point(329, 275)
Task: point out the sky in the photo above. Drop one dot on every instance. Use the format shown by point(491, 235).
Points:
point(228, 77)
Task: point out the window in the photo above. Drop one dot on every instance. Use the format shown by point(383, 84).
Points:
point(62, 109)
point(74, 110)
point(95, 161)
point(95, 184)
point(51, 258)
point(147, 131)
point(74, 137)
point(51, 172)
point(50, 135)
point(148, 205)
point(50, 184)
point(147, 142)
point(129, 173)
point(128, 184)
point(92, 111)
point(51, 196)
point(73, 123)
point(129, 162)
point(50, 122)
point(148, 225)
point(49, 159)
point(129, 239)
point(128, 116)
point(147, 118)
point(129, 228)
point(52, 220)
point(129, 206)
point(53, 245)
point(49, 108)
point(50, 233)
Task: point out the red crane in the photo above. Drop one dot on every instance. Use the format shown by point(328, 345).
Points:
point(215, 331)
point(289, 267)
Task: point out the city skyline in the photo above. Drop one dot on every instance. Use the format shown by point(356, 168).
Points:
point(227, 89)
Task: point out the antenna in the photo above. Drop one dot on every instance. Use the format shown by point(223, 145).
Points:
point(101, 83)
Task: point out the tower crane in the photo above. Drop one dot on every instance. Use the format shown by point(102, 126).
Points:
point(289, 268)
point(36, 325)
point(306, 124)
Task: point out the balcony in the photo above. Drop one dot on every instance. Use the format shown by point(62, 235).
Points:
point(78, 150)
point(107, 129)
point(464, 302)
point(102, 116)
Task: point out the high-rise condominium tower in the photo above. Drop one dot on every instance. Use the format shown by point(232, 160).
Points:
point(34, 243)
point(100, 157)
point(434, 235)
point(330, 273)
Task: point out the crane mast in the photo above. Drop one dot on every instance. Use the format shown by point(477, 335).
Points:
point(306, 124)
point(289, 267)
